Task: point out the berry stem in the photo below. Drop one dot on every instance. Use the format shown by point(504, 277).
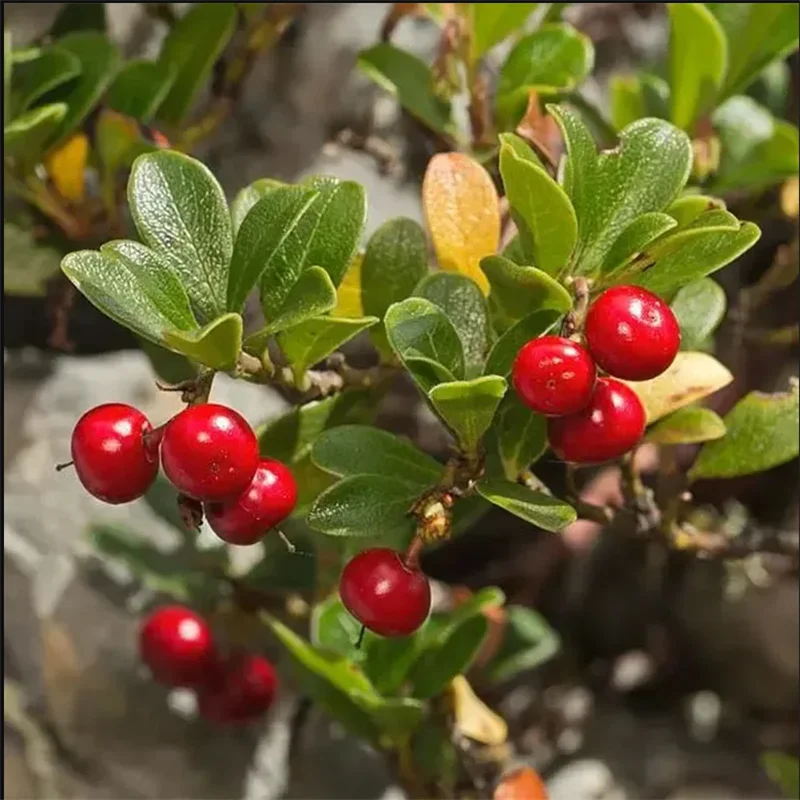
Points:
point(66, 464)
point(360, 639)
point(413, 552)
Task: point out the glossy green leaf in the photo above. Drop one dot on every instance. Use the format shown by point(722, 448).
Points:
point(315, 339)
point(350, 450)
point(410, 80)
point(248, 197)
point(180, 212)
point(190, 50)
point(517, 292)
point(388, 660)
point(217, 344)
point(635, 238)
point(465, 306)
point(468, 407)
point(365, 505)
point(757, 34)
point(327, 235)
point(544, 215)
point(699, 307)
point(554, 58)
point(493, 22)
point(528, 642)
point(27, 266)
point(688, 425)
point(139, 88)
point(609, 190)
point(687, 208)
point(535, 507)
point(34, 77)
point(521, 436)
point(627, 100)
point(425, 341)
point(763, 431)
point(698, 59)
point(784, 770)
point(24, 137)
point(539, 323)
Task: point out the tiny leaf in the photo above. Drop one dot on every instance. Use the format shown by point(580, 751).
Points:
point(699, 307)
point(535, 507)
point(537, 324)
point(688, 425)
point(217, 344)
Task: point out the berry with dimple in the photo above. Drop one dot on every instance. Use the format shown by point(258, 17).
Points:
point(384, 594)
point(111, 454)
point(241, 691)
point(632, 333)
point(178, 647)
point(608, 427)
point(209, 453)
point(554, 376)
point(270, 499)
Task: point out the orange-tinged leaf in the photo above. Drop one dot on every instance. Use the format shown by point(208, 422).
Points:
point(66, 166)
point(348, 302)
point(522, 784)
point(462, 210)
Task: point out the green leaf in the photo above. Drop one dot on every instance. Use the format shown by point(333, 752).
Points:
point(336, 631)
point(465, 306)
point(757, 34)
point(528, 641)
point(388, 660)
point(190, 51)
point(24, 138)
point(468, 407)
point(248, 197)
point(451, 656)
point(517, 292)
point(180, 211)
point(99, 61)
point(627, 100)
point(699, 307)
point(311, 341)
point(688, 425)
point(521, 436)
point(757, 149)
point(326, 234)
point(535, 507)
point(519, 147)
point(118, 142)
point(544, 215)
point(435, 755)
point(762, 433)
point(27, 267)
point(425, 341)
point(396, 259)
point(784, 770)
point(609, 190)
point(493, 22)
point(410, 80)
point(635, 238)
point(698, 59)
point(537, 324)
point(365, 505)
point(552, 59)
point(217, 344)
point(397, 717)
point(351, 450)
point(34, 77)
point(139, 88)
point(688, 207)
point(79, 17)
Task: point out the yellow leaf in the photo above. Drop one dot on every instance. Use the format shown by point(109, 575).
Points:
point(463, 214)
point(473, 718)
point(790, 198)
point(66, 166)
point(348, 302)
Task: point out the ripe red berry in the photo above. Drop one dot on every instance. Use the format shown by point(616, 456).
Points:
point(113, 460)
point(632, 333)
point(209, 453)
point(383, 594)
point(608, 427)
point(270, 499)
point(241, 691)
point(554, 376)
point(177, 645)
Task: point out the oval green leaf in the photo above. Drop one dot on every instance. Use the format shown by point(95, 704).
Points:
point(688, 425)
point(536, 507)
point(699, 307)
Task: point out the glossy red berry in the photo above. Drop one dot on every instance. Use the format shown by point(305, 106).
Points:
point(632, 333)
point(608, 427)
point(383, 594)
point(111, 456)
point(554, 376)
point(242, 690)
point(270, 499)
point(178, 647)
point(209, 453)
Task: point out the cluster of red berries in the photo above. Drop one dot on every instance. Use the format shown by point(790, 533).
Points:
point(178, 646)
point(630, 333)
point(208, 452)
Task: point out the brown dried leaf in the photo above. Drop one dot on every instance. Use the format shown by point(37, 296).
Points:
point(541, 130)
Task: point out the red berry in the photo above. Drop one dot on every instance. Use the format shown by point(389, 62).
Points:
point(177, 646)
point(242, 690)
point(608, 427)
point(111, 457)
point(554, 376)
point(632, 333)
point(383, 594)
point(209, 453)
point(270, 499)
